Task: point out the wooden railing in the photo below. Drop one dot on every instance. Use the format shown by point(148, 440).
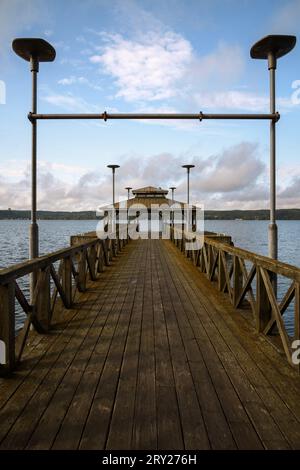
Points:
point(59, 275)
point(249, 280)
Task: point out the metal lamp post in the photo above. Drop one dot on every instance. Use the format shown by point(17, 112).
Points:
point(128, 188)
point(188, 168)
point(34, 51)
point(271, 48)
point(172, 189)
point(113, 168)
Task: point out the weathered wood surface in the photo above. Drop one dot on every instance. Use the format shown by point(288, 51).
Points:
point(235, 271)
point(83, 261)
point(153, 356)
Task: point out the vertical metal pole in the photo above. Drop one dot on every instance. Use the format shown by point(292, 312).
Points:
point(188, 200)
point(128, 193)
point(115, 225)
point(188, 185)
point(172, 215)
point(113, 175)
point(273, 231)
point(34, 230)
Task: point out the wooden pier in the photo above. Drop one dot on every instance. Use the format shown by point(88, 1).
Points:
point(158, 350)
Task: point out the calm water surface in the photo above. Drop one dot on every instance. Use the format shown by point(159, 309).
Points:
point(55, 234)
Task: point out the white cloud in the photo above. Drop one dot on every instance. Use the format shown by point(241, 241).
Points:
point(71, 102)
point(73, 80)
point(291, 192)
point(145, 70)
point(162, 65)
point(239, 100)
point(233, 179)
point(68, 81)
point(64, 187)
point(237, 168)
point(221, 67)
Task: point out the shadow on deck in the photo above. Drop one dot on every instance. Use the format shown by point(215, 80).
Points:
point(153, 357)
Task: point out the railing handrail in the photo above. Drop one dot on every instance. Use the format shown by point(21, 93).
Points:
point(22, 269)
point(27, 267)
point(225, 266)
point(82, 262)
point(275, 266)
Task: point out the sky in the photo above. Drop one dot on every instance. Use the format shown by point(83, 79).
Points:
point(148, 56)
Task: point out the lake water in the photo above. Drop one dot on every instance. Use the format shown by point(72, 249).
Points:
point(54, 234)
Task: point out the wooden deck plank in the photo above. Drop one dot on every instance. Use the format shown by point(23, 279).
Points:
point(18, 403)
point(218, 379)
point(152, 358)
point(27, 388)
point(45, 378)
point(169, 429)
point(193, 427)
point(261, 389)
point(145, 426)
point(51, 422)
point(96, 428)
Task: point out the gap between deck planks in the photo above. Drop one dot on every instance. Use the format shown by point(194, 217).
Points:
point(153, 358)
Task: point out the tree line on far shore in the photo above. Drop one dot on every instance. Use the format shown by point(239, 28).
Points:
point(262, 214)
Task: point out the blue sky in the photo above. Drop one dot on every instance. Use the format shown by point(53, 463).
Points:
point(167, 55)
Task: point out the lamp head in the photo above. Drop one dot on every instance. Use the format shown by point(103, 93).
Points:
point(188, 167)
point(34, 48)
point(273, 47)
point(113, 167)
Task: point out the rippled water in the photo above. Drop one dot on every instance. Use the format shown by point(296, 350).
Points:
point(54, 234)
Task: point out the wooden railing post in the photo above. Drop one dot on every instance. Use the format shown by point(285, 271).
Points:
point(201, 260)
point(43, 300)
point(91, 259)
point(297, 320)
point(67, 281)
point(263, 306)
point(297, 311)
point(221, 272)
point(82, 271)
point(105, 252)
point(237, 280)
point(110, 249)
point(7, 328)
point(100, 256)
point(209, 258)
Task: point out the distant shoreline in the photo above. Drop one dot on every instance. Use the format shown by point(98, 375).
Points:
point(261, 214)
